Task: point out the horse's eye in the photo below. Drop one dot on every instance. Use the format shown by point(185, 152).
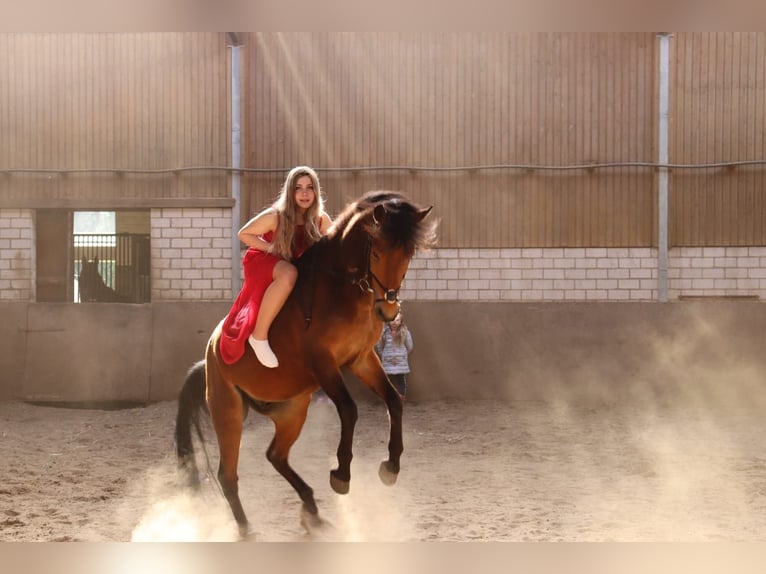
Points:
point(375, 256)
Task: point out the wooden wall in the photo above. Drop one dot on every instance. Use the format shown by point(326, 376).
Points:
point(458, 99)
point(389, 100)
point(718, 115)
point(113, 101)
point(557, 99)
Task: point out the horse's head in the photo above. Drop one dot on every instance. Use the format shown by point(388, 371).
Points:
point(88, 279)
point(393, 229)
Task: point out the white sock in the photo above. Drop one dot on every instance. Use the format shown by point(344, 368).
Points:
point(263, 352)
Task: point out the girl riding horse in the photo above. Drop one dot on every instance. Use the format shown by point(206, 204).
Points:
point(348, 284)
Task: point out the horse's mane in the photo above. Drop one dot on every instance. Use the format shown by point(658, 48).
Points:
point(401, 228)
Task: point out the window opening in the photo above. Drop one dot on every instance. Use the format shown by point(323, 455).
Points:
point(110, 265)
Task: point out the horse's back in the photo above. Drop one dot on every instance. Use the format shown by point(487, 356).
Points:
point(292, 378)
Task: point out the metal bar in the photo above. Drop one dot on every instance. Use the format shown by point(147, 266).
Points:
point(662, 179)
point(412, 168)
point(235, 165)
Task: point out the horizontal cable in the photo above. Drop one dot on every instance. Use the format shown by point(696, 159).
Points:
point(468, 168)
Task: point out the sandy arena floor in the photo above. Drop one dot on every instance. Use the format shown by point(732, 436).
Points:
point(478, 470)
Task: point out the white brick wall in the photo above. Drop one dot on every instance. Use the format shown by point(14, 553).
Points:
point(717, 272)
point(191, 260)
point(583, 274)
point(17, 272)
point(191, 254)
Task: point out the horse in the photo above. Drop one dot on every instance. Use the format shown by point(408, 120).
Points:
point(348, 284)
point(92, 287)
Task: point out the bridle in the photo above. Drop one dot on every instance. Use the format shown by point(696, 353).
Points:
point(365, 282)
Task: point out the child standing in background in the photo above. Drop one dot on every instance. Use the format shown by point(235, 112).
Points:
point(393, 348)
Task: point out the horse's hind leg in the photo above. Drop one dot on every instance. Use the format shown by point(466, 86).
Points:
point(227, 412)
point(289, 418)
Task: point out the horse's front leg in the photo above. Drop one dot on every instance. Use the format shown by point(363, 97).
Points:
point(371, 373)
point(333, 385)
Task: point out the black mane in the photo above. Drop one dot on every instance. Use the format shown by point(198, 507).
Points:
point(400, 226)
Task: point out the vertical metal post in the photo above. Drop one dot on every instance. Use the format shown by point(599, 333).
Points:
point(662, 182)
point(236, 162)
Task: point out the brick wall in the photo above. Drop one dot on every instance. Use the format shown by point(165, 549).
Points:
point(191, 251)
point(717, 271)
point(583, 274)
point(191, 254)
point(17, 278)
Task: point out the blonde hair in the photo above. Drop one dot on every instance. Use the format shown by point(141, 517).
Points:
point(398, 338)
point(289, 217)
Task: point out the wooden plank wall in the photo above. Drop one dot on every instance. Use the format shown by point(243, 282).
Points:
point(459, 99)
point(436, 100)
point(718, 90)
point(114, 101)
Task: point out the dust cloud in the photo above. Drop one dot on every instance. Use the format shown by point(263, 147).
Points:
point(659, 442)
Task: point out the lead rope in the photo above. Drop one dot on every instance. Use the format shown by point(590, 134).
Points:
point(309, 307)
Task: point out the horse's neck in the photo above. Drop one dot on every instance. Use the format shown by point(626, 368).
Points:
point(337, 260)
point(330, 254)
point(350, 251)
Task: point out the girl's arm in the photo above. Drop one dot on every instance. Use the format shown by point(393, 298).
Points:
point(324, 223)
point(381, 342)
point(407, 339)
point(262, 223)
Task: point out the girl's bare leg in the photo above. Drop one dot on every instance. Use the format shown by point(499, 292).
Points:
point(275, 296)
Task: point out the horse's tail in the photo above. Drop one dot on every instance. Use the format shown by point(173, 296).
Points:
point(191, 401)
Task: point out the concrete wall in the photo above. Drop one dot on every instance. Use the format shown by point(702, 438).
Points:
point(103, 352)
point(519, 351)
point(583, 351)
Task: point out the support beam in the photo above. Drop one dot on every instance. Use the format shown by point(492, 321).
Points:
point(236, 162)
point(662, 180)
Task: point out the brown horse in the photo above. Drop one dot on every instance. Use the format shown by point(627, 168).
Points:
point(92, 287)
point(348, 283)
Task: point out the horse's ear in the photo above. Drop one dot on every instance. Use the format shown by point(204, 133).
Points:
point(83, 261)
point(420, 215)
point(379, 214)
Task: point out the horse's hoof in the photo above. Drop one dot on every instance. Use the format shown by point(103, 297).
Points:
point(317, 528)
point(189, 482)
point(338, 485)
point(310, 520)
point(387, 476)
point(189, 476)
point(246, 533)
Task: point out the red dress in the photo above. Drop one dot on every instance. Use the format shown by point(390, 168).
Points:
point(259, 273)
